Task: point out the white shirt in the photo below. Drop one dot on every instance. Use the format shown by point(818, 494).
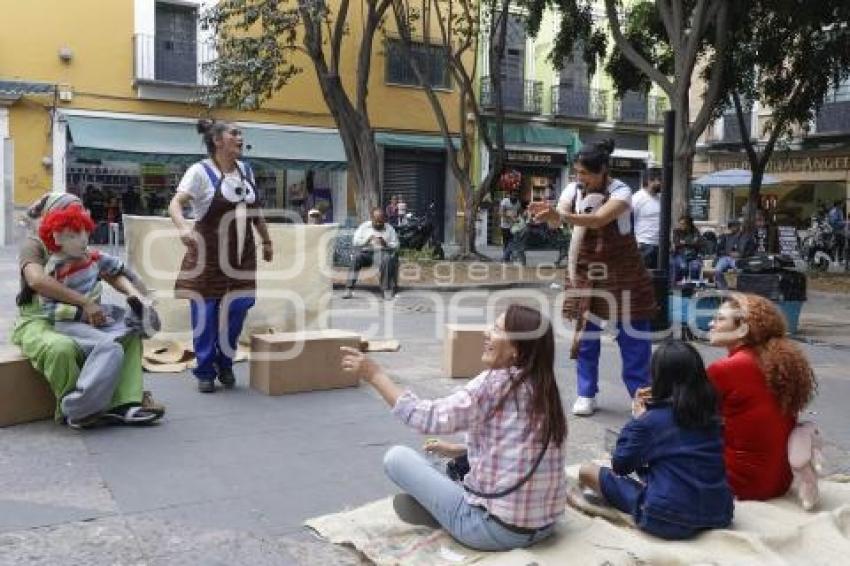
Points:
point(647, 214)
point(197, 184)
point(366, 231)
point(508, 212)
point(616, 190)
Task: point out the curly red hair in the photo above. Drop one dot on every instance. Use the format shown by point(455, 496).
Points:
point(787, 371)
point(73, 218)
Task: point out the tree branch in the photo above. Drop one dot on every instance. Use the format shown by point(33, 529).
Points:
point(695, 38)
point(716, 82)
point(337, 35)
point(746, 137)
point(631, 53)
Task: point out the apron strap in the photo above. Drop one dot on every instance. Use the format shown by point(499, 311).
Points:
point(211, 174)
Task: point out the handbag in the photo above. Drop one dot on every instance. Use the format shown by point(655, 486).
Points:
point(458, 467)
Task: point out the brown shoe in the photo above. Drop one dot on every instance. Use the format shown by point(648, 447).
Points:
point(151, 405)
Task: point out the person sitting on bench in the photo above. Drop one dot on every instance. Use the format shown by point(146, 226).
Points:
point(734, 245)
point(375, 238)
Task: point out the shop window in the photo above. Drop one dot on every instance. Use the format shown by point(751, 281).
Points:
point(431, 59)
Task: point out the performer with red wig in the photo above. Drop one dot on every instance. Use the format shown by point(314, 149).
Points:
point(65, 234)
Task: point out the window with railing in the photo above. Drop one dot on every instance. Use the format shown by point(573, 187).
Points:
point(431, 62)
point(521, 96)
point(834, 115)
point(568, 101)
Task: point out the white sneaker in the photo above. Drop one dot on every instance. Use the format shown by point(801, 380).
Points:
point(347, 294)
point(584, 406)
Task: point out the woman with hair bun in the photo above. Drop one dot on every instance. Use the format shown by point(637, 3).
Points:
point(220, 287)
point(763, 384)
point(606, 279)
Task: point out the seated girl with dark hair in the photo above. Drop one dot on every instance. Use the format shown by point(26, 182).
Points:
point(675, 445)
point(515, 489)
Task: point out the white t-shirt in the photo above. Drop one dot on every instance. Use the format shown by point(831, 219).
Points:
point(647, 213)
point(508, 212)
point(616, 190)
point(366, 231)
point(197, 184)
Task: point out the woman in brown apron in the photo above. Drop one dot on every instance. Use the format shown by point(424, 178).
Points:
point(607, 283)
point(218, 274)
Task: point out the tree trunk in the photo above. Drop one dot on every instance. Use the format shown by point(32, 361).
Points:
point(754, 197)
point(683, 156)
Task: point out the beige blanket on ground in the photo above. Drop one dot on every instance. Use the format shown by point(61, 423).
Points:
point(764, 533)
point(293, 291)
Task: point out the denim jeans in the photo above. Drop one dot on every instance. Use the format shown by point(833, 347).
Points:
point(207, 339)
point(681, 268)
point(444, 499)
point(724, 264)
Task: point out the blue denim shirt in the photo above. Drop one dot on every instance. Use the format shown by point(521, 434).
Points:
point(682, 469)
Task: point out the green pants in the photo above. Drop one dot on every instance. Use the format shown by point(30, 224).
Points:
point(58, 358)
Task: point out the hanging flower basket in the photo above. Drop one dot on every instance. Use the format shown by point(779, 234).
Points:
point(510, 180)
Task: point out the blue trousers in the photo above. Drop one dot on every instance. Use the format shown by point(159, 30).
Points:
point(634, 351)
point(624, 493)
point(207, 340)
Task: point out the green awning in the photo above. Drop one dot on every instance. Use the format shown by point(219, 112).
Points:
point(151, 141)
point(540, 135)
point(419, 141)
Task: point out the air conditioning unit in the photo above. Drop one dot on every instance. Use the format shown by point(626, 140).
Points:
point(66, 94)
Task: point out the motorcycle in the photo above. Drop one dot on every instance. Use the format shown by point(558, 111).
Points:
point(819, 245)
point(416, 231)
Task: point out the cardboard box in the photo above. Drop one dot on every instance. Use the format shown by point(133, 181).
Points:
point(24, 393)
point(290, 362)
point(463, 345)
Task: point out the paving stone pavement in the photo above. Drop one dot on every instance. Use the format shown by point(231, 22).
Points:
point(230, 478)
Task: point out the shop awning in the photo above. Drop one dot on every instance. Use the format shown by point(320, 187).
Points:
point(418, 141)
point(158, 141)
point(541, 136)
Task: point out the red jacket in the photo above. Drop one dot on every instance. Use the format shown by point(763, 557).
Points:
point(756, 430)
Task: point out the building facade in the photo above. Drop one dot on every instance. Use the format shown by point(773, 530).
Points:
point(110, 114)
point(551, 112)
point(811, 170)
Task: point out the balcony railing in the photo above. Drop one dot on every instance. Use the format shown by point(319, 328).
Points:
point(585, 103)
point(833, 118)
point(166, 60)
point(638, 108)
point(524, 97)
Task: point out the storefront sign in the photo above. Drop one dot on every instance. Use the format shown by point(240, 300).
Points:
point(536, 158)
point(625, 163)
point(698, 202)
point(788, 241)
point(796, 164)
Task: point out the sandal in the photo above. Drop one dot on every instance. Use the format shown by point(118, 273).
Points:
point(132, 415)
point(90, 421)
point(151, 405)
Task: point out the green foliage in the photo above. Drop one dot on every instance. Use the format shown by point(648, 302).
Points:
point(575, 31)
point(254, 40)
point(645, 31)
point(787, 55)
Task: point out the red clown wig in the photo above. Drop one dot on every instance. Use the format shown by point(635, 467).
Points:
point(73, 218)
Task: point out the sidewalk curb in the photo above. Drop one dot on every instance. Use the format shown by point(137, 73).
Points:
point(458, 288)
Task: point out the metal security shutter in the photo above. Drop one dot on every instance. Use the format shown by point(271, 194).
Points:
point(418, 177)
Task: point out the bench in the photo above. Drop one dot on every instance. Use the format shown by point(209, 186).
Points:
point(25, 395)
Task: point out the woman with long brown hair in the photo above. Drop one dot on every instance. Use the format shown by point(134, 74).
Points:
point(764, 383)
point(515, 488)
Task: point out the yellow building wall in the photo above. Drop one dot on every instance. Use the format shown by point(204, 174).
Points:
point(101, 78)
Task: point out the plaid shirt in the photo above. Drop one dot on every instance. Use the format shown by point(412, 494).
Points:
point(501, 447)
